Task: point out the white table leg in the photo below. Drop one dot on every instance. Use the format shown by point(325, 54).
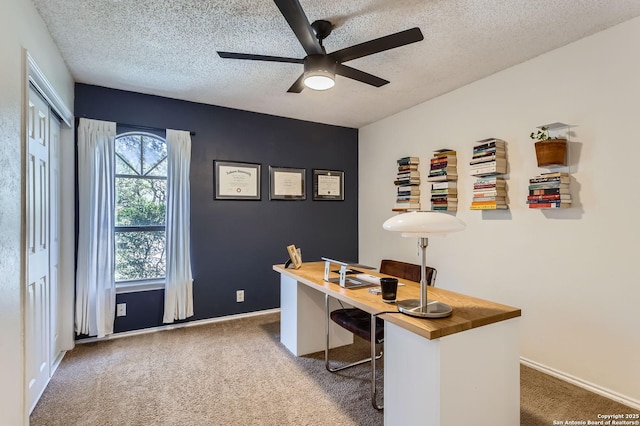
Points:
point(302, 319)
point(472, 377)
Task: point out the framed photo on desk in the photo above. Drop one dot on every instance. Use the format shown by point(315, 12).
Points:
point(328, 185)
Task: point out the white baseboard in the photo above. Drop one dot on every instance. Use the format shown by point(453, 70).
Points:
point(607, 393)
point(52, 369)
point(56, 363)
point(174, 326)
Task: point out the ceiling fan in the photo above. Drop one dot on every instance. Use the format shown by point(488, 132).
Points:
point(321, 67)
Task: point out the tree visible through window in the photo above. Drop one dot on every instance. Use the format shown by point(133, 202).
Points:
point(141, 187)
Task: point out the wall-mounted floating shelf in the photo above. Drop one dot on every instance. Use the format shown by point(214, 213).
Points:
point(443, 173)
point(408, 185)
point(552, 190)
point(488, 164)
point(555, 126)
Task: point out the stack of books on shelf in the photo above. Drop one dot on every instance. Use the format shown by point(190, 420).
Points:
point(489, 193)
point(489, 158)
point(443, 172)
point(549, 191)
point(443, 166)
point(408, 184)
point(444, 196)
point(408, 198)
point(488, 163)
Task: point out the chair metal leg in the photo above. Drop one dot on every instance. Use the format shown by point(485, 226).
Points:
point(373, 365)
point(371, 359)
point(326, 347)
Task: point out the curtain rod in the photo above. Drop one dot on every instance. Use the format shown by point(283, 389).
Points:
point(135, 126)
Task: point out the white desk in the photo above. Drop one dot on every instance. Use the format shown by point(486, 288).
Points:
point(459, 370)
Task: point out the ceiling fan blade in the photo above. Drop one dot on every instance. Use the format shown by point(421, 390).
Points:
point(298, 85)
point(361, 76)
point(297, 20)
point(378, 45)
point(231, 55)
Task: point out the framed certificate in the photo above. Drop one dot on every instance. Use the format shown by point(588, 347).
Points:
point(328, 185)
point(236, 181)
point(286, 183)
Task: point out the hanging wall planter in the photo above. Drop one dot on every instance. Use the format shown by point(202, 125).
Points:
point(549, 152)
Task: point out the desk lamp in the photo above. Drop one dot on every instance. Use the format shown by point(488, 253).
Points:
point(421, 225)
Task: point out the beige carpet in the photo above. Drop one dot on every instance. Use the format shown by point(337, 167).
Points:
point(545, 399)
point(237, 373)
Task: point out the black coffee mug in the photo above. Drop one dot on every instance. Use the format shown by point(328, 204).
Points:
point(389, 287)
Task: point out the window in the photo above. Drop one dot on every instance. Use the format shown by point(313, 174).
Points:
point(141, 187)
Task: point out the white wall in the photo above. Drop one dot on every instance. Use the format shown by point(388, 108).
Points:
point(572, 272)
point(20, 27)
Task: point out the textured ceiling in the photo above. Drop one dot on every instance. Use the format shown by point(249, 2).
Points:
point(168, 48)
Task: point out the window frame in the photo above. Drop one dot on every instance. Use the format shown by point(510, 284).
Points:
point(143, 284)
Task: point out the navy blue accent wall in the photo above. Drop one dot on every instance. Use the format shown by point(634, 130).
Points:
point(235, 243)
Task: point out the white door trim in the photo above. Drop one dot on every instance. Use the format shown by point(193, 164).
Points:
point(37, 78)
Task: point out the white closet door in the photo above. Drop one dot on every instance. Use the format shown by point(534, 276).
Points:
point(54, 242)
point(37, 321)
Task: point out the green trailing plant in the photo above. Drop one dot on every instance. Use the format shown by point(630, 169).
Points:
point(541, 135)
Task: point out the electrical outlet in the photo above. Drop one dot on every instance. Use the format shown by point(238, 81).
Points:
point(121, 310)
point(240, 296)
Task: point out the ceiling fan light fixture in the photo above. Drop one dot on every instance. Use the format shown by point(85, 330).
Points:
point(319, 72)
point(320, 68)
point(319, 82)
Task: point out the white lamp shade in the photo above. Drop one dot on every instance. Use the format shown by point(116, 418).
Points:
point(424, 224)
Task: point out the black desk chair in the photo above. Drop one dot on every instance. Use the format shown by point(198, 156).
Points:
point(363, 325)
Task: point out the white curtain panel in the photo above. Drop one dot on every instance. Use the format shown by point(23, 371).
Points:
point(95, 284)
point(178, 293)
